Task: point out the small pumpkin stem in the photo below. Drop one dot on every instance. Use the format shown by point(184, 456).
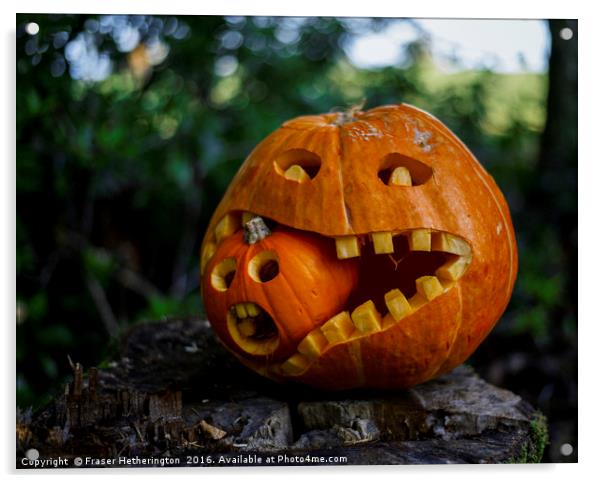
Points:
point(255, 230)
point(348, 115)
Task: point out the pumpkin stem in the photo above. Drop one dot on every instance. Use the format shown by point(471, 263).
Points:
point(255, 230)
point(348, 115)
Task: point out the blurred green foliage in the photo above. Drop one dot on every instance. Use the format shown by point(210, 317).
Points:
point(129, 130)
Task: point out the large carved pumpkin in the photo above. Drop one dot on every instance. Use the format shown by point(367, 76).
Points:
point(396, 252)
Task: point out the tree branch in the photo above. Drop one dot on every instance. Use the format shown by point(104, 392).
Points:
point(102, 304)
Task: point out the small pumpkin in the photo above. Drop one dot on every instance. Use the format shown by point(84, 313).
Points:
point(395, 192)
point(267, 290)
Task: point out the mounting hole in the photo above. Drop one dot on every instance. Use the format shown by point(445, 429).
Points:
point(399, 170)
point(223, 274)
point(566, 33)
point(264, 266)
point(298, 165)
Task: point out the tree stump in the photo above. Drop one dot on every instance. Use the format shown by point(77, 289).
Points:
point(175, 397)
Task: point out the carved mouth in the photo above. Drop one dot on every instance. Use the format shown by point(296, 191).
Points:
point(253, 328)
point(418, 264)
point(399, 273)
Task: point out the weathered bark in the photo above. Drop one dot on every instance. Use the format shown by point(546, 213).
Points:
point(174, 391)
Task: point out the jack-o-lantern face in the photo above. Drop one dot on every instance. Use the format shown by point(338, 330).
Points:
point(394, 251)
point(267, 290)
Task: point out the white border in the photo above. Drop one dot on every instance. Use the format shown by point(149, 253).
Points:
point(372, 8)
point(590, 76)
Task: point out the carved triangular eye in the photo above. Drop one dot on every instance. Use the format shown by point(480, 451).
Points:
point(399, 170)
point(298, 165)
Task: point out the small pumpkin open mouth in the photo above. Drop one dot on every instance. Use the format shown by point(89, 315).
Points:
point(252, 328)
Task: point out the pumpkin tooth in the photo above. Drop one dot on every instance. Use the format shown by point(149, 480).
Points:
point(241, 311)
point(400, 176)
point(383, 242)
point(252, 309)
point(397, 304)
point(208, 252)
point(420, 240)
point(296, 173)
point(417, 301)
point(347, 247)
point(366, 318)
point(295, 364)
point(338, 328)
point(429, 287)
point(445, 242)
point(313, 344)
point(453, 269)
point(389, 321)
point(226, 227)
point(247, 327)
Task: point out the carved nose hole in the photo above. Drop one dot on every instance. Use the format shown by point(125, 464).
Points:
point(223, 274)
point(228, 278)
point(264, 266)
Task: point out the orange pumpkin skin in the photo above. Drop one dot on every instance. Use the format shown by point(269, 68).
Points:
point(453, 195)
point(311, 286)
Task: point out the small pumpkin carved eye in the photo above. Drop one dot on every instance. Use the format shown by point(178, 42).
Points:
point(298, 165)
point(264, 266)
point(399, 170)
point(223, 274)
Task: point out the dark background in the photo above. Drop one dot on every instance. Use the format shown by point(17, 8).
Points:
point(129, 129)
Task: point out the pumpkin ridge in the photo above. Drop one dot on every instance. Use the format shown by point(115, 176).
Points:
point(457, 331)
point(340, 177)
